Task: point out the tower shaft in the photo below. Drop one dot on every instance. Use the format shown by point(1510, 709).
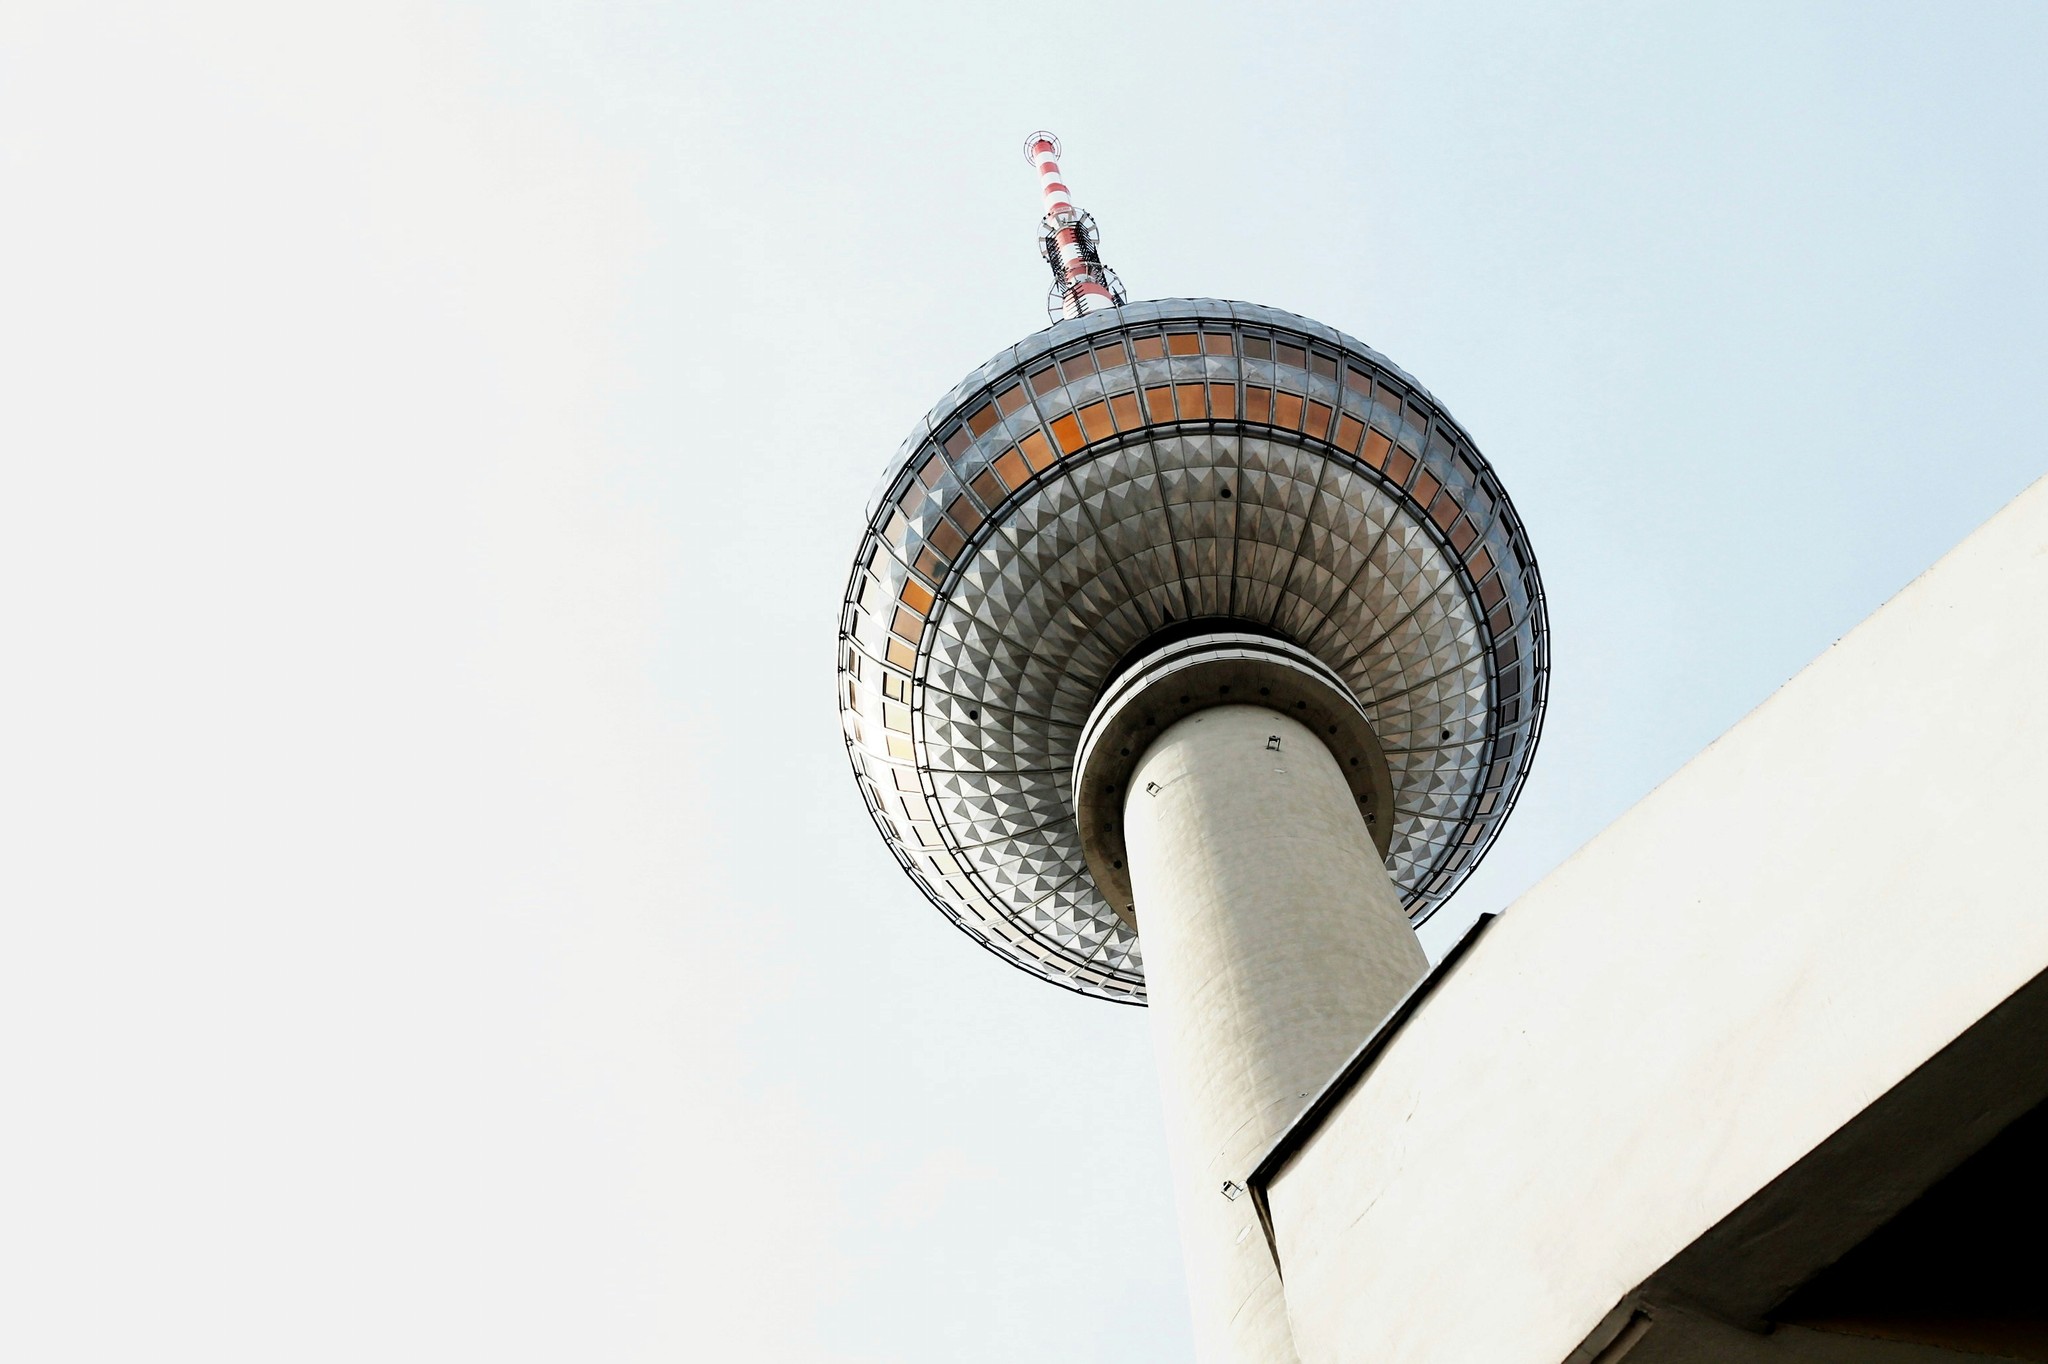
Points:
point(1274, 943)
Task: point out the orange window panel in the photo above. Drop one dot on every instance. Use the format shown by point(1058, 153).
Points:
point(931, 471)
point(964, 513)
point(1481, 563)
point(1012, 468)
point(916, 596)
point(908, 624)
point(1350, 430)
point(1258, 405)
point(1159, 404)
point(1045, 380)
point(1223, 400)
point(1066, 432)
point(1426, 488)
point(1444, 510)
point(1287, 411)
point(1358, 382)
point(1400, 464)
point(1183, 343)
point(1318, 420)
point(1463, 536)
point(1293, 355)
point(1095, 420)
point(956, 443)
point(912, 499)
point(981, 419)
point(947, 540)
point(1010, 399)
point(1037, 449)
point(1111, 355)
point(1376, 447)
point(901, 654)
point(987, 489)
point(1151, 347)
point(1215, 343)
point(1190, 396)
point(1124, 408)
point(930, 564)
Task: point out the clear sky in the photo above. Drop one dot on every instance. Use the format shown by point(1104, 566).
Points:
point(439, 923)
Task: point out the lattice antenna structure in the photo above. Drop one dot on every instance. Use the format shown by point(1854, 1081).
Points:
point(1069, 241)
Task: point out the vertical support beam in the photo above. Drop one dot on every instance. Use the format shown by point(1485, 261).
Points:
point(1274, 944)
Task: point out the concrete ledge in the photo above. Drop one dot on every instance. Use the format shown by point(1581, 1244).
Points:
point(1832, 894)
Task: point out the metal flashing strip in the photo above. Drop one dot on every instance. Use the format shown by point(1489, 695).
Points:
point(1326, 1099)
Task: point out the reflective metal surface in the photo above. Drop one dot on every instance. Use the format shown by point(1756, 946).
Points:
point(1120, 474)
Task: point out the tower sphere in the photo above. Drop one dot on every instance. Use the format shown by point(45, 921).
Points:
point(1150, 473)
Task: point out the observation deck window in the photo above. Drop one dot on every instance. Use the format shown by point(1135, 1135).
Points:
point(964, 513)
point(1036, 449)
point(1010, 466)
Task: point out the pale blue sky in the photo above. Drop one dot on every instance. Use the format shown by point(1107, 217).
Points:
point(440, 921)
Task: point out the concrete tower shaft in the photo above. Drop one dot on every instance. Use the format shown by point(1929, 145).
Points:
point(1225, 787)
point(1273, 943)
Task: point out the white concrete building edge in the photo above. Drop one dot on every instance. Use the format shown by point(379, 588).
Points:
point(1274, 942)
point(1823, 900)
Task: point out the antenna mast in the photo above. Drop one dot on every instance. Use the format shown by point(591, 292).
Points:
point(1069, 241)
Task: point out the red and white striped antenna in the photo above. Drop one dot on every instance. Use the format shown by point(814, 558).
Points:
point(1068, 239)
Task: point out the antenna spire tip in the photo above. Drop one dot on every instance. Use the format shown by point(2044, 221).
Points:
point(1031, 145)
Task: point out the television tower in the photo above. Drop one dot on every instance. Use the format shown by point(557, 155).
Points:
point(1193, 654)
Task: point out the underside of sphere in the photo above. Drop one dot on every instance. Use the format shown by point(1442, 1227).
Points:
point(1161, 467)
